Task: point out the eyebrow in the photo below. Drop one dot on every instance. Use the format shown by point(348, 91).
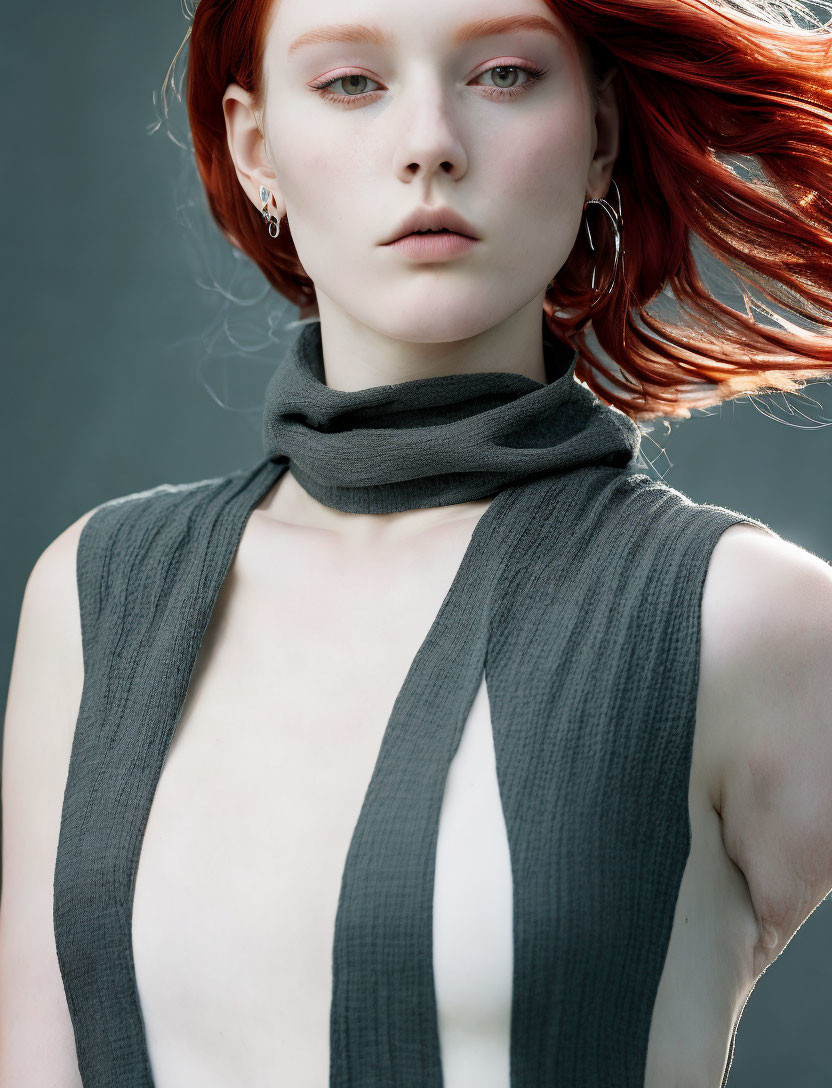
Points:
point(357, 33)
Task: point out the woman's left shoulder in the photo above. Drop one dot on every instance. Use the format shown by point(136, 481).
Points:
point(764, 575)
point(766, 679)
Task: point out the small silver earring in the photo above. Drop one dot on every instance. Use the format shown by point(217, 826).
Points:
point(273, 221)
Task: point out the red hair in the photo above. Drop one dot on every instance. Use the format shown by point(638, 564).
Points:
point(698, 81)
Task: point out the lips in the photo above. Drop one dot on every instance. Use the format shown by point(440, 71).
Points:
point(433, 245)
point(439, 220)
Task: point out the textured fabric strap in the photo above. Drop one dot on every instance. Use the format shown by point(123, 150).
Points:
point(150, 567)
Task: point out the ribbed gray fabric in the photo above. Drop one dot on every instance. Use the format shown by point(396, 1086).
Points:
point(578, 598)
point(446, 440)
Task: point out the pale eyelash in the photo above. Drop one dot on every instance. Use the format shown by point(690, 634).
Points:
point(533, 73)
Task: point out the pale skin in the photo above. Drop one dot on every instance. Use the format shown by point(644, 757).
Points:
point(760, 803)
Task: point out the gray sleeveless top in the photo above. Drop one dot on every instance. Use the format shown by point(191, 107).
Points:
point(578, 598)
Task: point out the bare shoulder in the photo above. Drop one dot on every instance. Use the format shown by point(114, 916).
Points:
point(47, 669)
point(766, 704)
point(49, 627)
point(55, 562)
point(761, 593)
point(37, 1043)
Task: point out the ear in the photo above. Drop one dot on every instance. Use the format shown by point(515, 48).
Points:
point(607, 127)
point(247, 147)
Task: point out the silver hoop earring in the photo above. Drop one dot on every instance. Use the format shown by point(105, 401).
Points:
point(273, 221)
point(616, 217)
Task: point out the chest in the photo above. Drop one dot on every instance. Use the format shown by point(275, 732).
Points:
point(240, 870)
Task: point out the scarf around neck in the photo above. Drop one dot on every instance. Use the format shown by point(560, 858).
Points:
point(435, 441)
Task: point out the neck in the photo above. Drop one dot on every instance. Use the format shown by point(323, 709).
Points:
point(289, 504)
point(358, 357)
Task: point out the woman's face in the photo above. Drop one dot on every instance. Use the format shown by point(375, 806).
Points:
point(434, 102)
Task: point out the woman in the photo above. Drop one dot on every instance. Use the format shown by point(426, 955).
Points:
point(462, 752)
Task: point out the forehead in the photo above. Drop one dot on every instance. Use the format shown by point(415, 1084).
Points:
point(302, 26)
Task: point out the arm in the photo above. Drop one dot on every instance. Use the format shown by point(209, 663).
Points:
point(37, 1043)
point(775, 692)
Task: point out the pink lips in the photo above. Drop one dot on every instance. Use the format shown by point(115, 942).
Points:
point(432, 247)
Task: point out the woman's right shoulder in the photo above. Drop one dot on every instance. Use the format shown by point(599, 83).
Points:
point(58, 560)
point(50, 597)
point(49, 625)
point(61, 590)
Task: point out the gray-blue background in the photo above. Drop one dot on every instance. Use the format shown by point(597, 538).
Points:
point(113, 368)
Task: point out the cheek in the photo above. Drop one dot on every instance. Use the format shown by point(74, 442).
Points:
point(325, 178)
point(302, 161)
point(310, 178)
point(545, 160)
point(541, 173)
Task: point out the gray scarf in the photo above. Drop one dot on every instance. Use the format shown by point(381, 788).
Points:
point(435, 441)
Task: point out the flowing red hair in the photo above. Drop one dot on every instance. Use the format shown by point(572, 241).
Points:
point(702, 86)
